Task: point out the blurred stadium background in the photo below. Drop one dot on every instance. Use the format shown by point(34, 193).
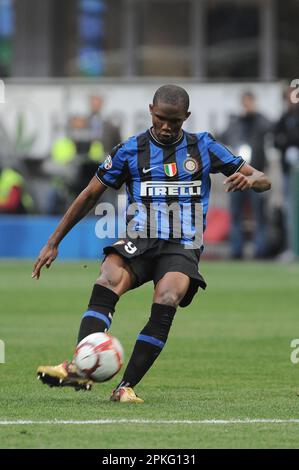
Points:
point(55, 55)
point(71, 68)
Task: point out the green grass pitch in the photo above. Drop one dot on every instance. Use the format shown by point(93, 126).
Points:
point(227, 358)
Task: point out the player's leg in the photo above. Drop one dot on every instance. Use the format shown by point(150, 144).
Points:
point(114, 280)
point(169, 292)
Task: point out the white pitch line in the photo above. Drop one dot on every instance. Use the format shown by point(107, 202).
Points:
point(149, 421)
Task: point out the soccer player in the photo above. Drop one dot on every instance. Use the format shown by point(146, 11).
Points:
point(167, 175)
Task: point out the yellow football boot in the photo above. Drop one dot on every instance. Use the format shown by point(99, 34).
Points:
point(125, 395)
point(63, 375)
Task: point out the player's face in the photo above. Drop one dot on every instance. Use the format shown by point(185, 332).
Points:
point(167, 121)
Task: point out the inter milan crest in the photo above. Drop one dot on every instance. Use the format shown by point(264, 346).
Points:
point(108, 162)
point(191, 165)
point(170, 169)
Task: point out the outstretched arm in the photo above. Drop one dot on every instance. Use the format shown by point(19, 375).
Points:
point(86, 200)
point(248, 178)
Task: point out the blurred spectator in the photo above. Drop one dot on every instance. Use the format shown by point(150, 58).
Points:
point(102, 130)
point(63, 167)
point(80, 134)
point(246, 136)
point(76, 154)
point(104, 135)
point(286, 139)
point(14, 198)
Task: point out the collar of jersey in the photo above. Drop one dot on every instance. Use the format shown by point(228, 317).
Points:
point(159, 144)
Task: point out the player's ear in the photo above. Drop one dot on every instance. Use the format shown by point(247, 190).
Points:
point(151, 108)
point(187, 115)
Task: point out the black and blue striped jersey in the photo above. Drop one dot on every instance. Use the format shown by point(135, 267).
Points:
point(160, 178)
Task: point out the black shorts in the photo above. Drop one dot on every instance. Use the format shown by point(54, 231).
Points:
point(150, 259)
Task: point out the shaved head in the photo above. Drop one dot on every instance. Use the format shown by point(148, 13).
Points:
point(173, 95)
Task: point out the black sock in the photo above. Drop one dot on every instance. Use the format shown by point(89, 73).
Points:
point(98, 316)
point(149, 344)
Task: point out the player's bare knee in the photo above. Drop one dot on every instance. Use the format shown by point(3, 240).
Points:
point(111, 276)
point(114, 275)
point(112, 279)
point(106, 280)
point(166, 297)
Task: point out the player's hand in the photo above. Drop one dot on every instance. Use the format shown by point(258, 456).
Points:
point(238, 182)
point(46, 257)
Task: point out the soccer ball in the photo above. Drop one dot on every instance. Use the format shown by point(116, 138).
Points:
point(99, 357)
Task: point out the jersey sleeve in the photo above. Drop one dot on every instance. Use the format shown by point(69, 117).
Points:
point(222, 159)
point(113, 171)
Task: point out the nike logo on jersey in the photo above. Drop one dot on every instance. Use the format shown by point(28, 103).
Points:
point(146, 170)
point(173, 188)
